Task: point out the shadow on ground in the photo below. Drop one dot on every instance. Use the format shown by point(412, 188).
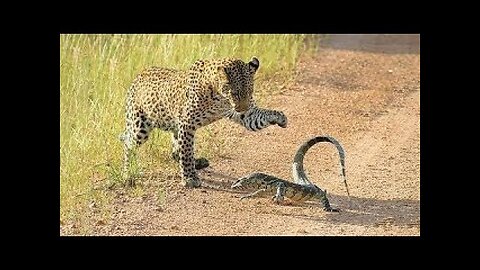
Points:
point(354, 210)
point(370, 212)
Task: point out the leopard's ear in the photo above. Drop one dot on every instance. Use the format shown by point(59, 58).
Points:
point(254, 63)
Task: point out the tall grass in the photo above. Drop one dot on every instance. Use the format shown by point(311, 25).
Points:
point(95, 73)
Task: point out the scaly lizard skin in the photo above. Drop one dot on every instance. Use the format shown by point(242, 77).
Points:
point(302, 189)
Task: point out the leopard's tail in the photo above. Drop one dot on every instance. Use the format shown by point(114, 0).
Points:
point(299, 175)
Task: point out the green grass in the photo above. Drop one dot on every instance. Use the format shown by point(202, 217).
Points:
point(95, 72)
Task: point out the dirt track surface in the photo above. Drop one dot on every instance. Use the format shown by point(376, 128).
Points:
point(364, 91)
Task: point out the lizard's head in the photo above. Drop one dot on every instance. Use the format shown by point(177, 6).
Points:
point(241, 183)
point(249, 181)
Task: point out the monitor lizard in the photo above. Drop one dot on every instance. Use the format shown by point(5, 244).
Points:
point(301, 189)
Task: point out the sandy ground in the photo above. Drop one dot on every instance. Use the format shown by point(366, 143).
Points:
point(362, 89)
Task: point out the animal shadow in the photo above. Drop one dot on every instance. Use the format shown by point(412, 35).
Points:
point(353, 210)
point(370, 212)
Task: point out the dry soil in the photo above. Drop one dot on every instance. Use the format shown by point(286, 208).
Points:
point(362, 89)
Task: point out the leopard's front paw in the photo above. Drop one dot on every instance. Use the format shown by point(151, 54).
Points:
point(279, 119)
point(192, 182)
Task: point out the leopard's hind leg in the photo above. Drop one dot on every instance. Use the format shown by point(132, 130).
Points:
point(138, 128)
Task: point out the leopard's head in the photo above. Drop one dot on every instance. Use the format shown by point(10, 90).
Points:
point(237, 87)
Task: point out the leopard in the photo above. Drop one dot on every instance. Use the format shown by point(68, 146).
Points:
point(182, 101)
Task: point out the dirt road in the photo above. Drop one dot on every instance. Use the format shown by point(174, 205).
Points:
point(364, 91)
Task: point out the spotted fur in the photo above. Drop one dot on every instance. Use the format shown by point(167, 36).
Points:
point(181, 101)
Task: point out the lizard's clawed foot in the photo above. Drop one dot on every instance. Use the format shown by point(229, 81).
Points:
point(277, 200)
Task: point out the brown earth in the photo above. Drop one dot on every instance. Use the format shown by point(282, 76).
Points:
point(362, 89)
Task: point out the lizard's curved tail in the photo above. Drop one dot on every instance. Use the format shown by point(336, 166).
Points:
point(299, 175)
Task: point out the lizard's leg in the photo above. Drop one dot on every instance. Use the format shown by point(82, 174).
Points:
point(260, 191)
point(326, 203)
point(279, 197)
